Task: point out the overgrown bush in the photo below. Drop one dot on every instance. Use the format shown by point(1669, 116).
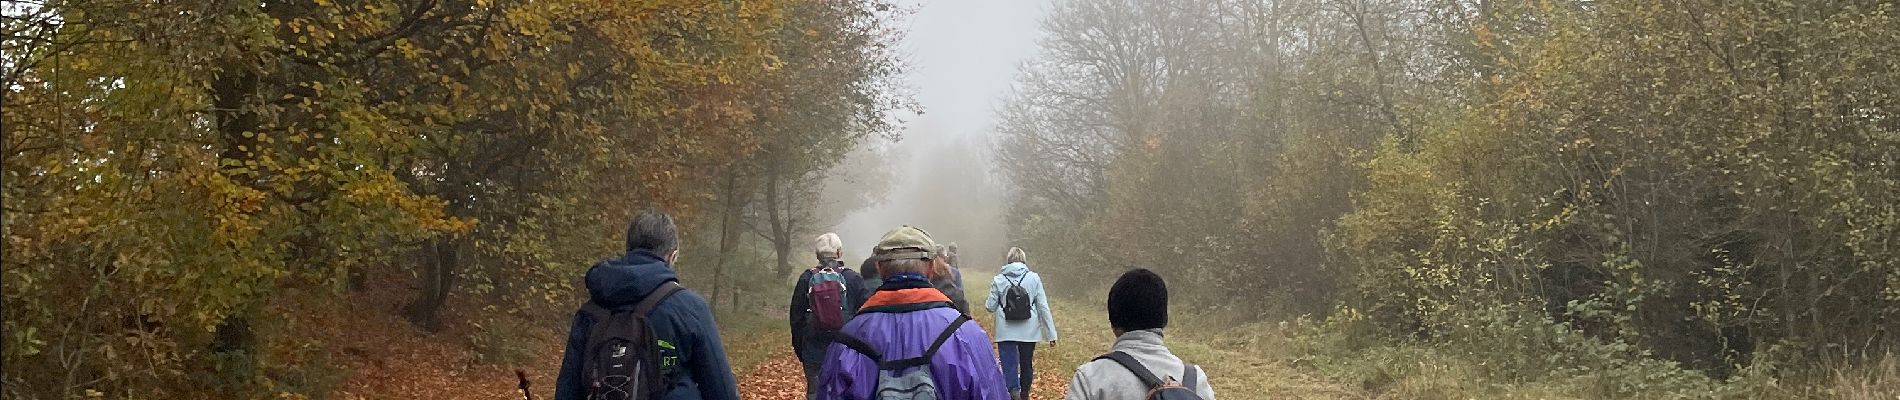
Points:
point(1643, 191)
point(1664, 187)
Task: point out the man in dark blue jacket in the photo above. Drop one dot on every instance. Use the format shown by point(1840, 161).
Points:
point(808, 341)
point(691, 350)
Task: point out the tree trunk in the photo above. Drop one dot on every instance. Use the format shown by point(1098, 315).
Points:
point(232, 94)
point(781, 226)
point(783, 246)
point(728, 234)
point(358, 280)
point(443, 259)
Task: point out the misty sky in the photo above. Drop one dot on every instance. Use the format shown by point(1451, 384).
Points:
point(963, 54)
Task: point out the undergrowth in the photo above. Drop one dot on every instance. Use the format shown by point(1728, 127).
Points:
point(1507, 356)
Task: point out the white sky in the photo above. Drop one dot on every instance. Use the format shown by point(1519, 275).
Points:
point(963, 55)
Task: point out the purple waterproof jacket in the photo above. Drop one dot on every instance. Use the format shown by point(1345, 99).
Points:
point(901, 320)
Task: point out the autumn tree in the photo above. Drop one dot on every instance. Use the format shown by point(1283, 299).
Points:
point(1653, 176)
point(191, 186)
point(833, 90)
point(1706, 183)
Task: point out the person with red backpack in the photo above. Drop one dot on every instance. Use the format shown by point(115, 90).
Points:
point(823, 299)
point(1139, 366)
point(641, 335)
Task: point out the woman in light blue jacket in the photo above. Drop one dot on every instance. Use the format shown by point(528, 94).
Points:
point(1022, 320)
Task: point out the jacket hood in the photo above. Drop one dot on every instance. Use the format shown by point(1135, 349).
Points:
point(831, 262)
point(1015, 269)
point(627, 279)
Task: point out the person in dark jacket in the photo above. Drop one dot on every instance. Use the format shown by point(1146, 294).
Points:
point(808, 342)
point(951, 283)
point(696, 364)
point(869, 269)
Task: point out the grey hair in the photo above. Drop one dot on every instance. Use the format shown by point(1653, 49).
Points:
point(828, 245)
point(1016, 255)
point(893, 267)
point(654, 231)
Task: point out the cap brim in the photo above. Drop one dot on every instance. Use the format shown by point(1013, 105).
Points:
point(905, 255)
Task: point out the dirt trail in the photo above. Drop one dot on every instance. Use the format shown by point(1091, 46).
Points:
point(382, 356)
point(777, 378)
point(1242, 362)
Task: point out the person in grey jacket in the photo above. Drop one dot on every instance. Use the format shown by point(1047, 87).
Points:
point(1137, 310)
point(1016, 340)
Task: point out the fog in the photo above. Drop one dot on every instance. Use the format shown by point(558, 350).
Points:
point(963, 56)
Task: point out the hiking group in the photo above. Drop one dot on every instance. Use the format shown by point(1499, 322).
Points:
point(898, 327)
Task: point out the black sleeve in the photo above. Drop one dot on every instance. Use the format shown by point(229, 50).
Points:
point(568, 385)
point(796, 312)
point(855, 284)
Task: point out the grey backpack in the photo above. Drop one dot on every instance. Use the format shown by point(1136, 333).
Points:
point(906, 379)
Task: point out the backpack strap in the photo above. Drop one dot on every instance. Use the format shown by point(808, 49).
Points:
point(922, 360)
point(858, 345)
point(810, 276)
point(1187, 378)
point(1147, 377)
point(659, 294)
point(599, 314)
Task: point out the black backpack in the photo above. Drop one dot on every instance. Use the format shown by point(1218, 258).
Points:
point(1158, 389)
point(1016, 300)
point(622, 359)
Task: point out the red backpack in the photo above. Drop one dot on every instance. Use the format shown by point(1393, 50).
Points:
point(826, 295)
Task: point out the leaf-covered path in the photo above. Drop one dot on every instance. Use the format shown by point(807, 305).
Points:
point(777, 378)
point(388, 358)
point(1243, 362)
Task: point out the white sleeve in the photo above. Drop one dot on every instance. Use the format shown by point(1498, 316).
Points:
point(1079, 388)
point(1205, 389)
point(1042, 309)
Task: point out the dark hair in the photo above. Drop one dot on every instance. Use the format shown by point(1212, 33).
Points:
point(653, 231)
point(1139, 300)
